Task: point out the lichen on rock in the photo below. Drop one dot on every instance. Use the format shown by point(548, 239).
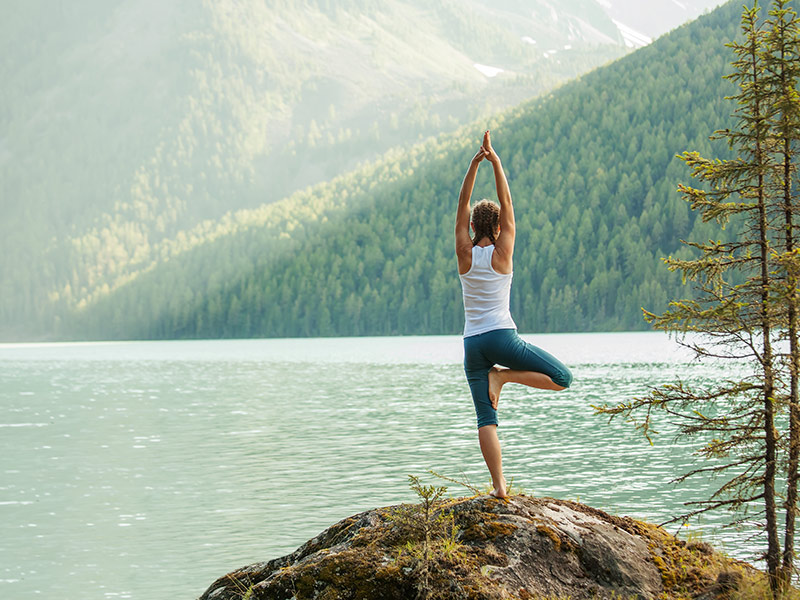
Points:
point(522, 547)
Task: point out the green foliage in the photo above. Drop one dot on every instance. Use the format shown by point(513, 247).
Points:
point(422, 523)
point(430, 535)
point(593, 173)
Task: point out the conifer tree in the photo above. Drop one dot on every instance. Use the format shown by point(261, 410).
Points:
point(743, 297)
point(782, 67)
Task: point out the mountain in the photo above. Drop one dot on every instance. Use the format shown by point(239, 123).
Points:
point(125, 126)
point(593, 174)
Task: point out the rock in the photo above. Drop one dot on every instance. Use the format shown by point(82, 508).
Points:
point(485, 548)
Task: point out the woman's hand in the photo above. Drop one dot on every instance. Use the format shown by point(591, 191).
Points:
point(479, 156)
point(490, 155)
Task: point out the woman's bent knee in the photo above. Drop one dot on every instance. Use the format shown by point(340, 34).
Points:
point(563, 378)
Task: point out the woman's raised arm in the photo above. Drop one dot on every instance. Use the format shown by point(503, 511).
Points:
point(463, 239)
point(505, 241)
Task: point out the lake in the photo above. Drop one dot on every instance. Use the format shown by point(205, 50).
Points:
point(148, 469)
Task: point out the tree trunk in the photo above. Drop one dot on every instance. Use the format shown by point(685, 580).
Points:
point(794, 362)
point(786, 86)
point(770, 441)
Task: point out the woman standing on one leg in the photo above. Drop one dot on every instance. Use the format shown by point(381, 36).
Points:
point(485, 267)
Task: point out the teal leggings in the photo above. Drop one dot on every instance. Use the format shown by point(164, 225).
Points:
point(504, 347)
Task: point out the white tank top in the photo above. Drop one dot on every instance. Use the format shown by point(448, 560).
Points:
point(486, 295)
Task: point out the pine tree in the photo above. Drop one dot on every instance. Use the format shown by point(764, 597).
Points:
point(745, 294)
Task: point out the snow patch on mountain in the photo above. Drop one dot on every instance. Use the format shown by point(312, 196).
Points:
point(487, 70)
point(632, 38)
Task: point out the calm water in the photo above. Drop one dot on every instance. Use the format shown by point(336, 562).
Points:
point(148, 469)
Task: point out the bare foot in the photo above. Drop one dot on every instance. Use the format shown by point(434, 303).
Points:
point(500, 491)
point(495, 385)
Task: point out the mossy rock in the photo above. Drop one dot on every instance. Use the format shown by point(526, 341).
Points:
point(518, 548)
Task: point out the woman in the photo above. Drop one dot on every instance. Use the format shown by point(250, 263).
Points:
point(485, 267)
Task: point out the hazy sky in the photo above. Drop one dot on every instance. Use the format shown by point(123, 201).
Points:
point(655, 17)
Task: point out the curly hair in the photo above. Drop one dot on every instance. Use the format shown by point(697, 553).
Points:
point(485, 220)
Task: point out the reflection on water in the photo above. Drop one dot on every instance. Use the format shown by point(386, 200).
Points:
point(148, 469)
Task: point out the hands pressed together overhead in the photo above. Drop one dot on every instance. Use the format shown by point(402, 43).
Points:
point(486, 151)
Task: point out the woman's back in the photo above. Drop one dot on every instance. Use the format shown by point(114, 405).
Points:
point(486, 294)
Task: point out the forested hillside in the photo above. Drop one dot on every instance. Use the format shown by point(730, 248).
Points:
point(124, 125)
point(593, 176)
